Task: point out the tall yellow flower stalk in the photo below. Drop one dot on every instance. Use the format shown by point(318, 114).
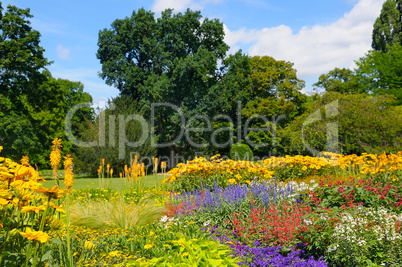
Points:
point(155, 165)
point(68, 181)
point(68, 171)
point(55, 158)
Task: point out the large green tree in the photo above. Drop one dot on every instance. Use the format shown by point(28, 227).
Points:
point(274, 99)
point(387, 29)
point(339, 80)
point(172, 59)
point(33, 104)
point(21, 57)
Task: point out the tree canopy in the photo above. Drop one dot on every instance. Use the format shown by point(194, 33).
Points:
point(33, 104)
point(387, 29)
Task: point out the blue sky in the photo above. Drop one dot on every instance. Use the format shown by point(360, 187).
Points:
point(316, 35)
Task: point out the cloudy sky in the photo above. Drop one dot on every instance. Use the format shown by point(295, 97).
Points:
point(316, 35)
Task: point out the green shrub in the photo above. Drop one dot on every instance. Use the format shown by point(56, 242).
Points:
point(192, 252)
point(241, 152)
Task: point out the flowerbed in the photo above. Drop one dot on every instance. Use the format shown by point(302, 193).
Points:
point(234, 214)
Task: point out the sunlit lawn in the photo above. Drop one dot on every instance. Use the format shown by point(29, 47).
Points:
point(116, 184)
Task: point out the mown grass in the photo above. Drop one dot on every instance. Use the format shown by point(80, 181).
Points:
point(116, 184)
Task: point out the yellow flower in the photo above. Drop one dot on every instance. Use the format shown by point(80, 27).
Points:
point(33, 208)
point(148, 246)
point(68, 174)
point(156, 165)
point(54, 192)
point(114, 253)
point(1, 148)
point(231, 181)
point(4, 176)
point(89, 245)
point(304, 168)
point(3, 202)
point(25, 160)
point(55, 158)
point(35, 235)
point(56, 143)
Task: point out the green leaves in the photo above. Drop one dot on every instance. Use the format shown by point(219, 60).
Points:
point(193, 252)
point(387, 29)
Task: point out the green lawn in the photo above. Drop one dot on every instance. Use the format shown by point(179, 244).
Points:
point(117, 184)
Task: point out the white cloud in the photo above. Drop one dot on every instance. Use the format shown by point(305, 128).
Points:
point(63, 52)
point(314, 50)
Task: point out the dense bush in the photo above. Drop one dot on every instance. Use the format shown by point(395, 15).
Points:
point(241, 152)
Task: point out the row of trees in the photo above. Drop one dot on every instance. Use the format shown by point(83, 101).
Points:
point(210, 97)
point(182, 59)
point(33, 104)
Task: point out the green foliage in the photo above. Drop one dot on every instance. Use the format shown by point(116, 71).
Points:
point(355, 135)
point(379, 73)
point(275, 78)
point(265, 118)
point(33, 104)
point(362, 192)
point(173, 61)
point(355, 236)
point(241, 152)
point(193, 252)
point(119, 141)
point(387, 29)
point(338, 80)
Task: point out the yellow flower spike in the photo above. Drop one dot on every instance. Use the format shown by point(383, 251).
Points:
point(156, 165)
point(55, 158)
point(1, 148)
point(68, 172)
point(111, 172)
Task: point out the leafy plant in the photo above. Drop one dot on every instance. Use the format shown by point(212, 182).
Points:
point(193, 252)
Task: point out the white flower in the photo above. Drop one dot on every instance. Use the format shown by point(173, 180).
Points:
point(207, 223)
point(164, 219)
